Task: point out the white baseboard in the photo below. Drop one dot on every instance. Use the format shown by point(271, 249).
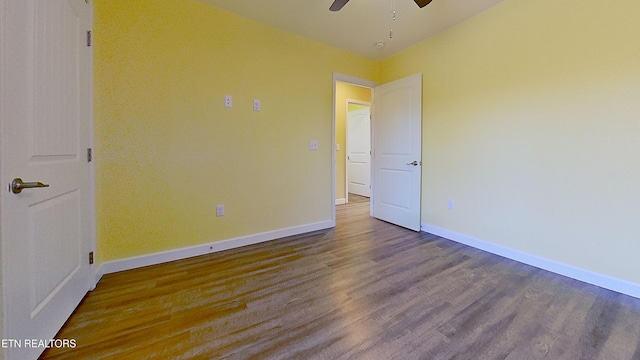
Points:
point(341, 201)
point(191, 251)
point(98, 275)
point(590, 277)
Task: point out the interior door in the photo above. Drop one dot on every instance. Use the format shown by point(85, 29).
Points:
point(359, 152)
point(46, 112)
point(397, 151)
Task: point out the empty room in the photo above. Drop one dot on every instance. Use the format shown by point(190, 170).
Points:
point(331, 179)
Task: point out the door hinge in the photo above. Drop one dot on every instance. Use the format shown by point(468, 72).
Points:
point(89, 155)
point(88, 38)
point(91, 258)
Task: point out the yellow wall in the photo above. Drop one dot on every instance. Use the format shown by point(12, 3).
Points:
point(355, 107)
point(345, 91)
point(532, 125)
point(168, 151)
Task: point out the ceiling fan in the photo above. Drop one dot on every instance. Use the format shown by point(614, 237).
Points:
point(338, 4)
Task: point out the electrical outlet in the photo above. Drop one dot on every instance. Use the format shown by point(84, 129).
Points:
point(313, 145)
point(256, 105)
point(451, 204)
point(228, 101)
point(220, 210)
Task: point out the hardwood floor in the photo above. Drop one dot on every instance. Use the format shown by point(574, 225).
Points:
point(364, 290)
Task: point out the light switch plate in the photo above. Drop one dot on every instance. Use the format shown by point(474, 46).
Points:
point(313, 145)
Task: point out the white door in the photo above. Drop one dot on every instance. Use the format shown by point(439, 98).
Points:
point(46, 111)
point(359, 152)
point(397, 147)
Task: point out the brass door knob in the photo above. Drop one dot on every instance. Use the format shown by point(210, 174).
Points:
point(17, 185)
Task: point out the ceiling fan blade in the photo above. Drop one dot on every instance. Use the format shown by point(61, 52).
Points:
point(338, 4)
point(422, 3)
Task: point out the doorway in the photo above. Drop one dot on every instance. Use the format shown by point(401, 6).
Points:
point(396, 155)
point(345, 89)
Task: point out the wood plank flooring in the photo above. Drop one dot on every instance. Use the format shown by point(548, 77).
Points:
point(364, 290)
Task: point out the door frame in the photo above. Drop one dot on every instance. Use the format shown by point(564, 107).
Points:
point(3, 37)
point(338, 77)
point(91, 240)
point(346, 145)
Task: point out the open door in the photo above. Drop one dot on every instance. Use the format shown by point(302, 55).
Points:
point(397, 151)
point(45, 117)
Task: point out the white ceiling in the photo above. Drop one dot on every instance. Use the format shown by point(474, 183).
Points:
point(361, 23)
